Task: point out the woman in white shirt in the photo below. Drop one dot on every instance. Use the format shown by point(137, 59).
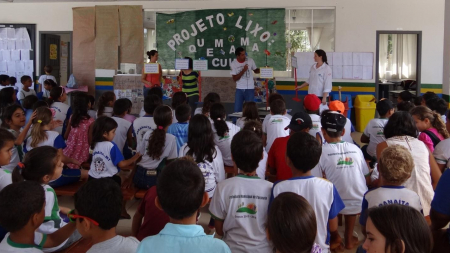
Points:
point(320, 77)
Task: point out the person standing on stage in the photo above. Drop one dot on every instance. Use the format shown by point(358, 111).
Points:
point(320, 77)
point(242, 69)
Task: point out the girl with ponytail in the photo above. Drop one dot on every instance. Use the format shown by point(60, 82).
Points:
point(431, 126)
point(60, 110)
point(158, 148)
point(223, 132)
point(106, 103)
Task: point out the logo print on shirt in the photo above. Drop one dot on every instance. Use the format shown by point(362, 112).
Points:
point(99, 164)
point(315, 126)
point(53, 112)
point(347, 161)
point(380, 133)
point(250, 208)
point(277, 121)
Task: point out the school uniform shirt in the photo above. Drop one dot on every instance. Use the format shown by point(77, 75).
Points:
point(52, 220)
point(316, 125)
point(108, 112)
point(142, 112)
point(5, 178)
point(42, 79)
point(54, 139)
point(267, 118)
point(241, 203)
point(8, 246)
point(275, 129)
point(121, 132)
point(348, 132)
point(174, 118)
point(246, 81)
point(105, 158)
point(116, 244)
point(323, 198)
point(262, 165)
point(16, 154)
point(224, 143)
point(344, 165)
point(388, 195)
point(45, 93)
point(92, 114)
point(169, 151)
point(59, 111)
point(198, 110)
point(374, 130)
point(213, 172)
point(141, 125)
point(241, 122)
point(442, 152)
point(320, 80)
point(22, 94)
point(180, 131)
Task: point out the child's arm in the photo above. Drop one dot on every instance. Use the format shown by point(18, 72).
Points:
point(66, 160)
point(264, 139)
point(365, 138)
point(218, 224)
point(335, 238)
point(25, 130)
point(434, 171)
point(58, 237)
point(380, 148)
point(125, 163)
point(69, 127)
point(91, 130)
point(130, 139)
point(137, 222)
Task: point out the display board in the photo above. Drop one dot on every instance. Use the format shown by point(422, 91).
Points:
point(130, 86)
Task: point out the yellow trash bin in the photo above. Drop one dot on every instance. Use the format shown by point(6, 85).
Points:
point(365, 111)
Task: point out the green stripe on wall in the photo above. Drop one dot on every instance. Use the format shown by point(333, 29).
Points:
point(104, 79)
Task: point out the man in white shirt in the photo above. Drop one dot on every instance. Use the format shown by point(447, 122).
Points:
point(242, 69)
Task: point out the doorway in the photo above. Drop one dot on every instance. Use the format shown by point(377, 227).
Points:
point(56, 51)
point(398, 63)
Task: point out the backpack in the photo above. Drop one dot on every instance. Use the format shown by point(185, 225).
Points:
point(72, 83)
point(433, 137)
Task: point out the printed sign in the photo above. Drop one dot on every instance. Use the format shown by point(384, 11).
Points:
point(266, 73)
point(151, 68)
point(181, 64)
point(200, 65)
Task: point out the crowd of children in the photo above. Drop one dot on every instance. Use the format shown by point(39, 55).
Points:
point(278, 202)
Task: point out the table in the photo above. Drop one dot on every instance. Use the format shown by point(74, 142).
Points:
point(262, 113)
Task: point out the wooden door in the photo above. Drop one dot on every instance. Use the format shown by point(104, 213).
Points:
point(50, 54)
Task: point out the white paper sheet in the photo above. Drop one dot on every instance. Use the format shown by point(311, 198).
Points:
point(25, 54)
point(20, 66)
point(11, 66)
point(15, 55)
point(266, 73)
point(337, 59)
point(11, 33)
point(347, 59)
point(330, 59)
point(357, 72)
point(11, 44)
point(3, 66)
point(367, 72)
point(10, 74)
point(29, 65)
point(337, 71)
point(3, 44)
point(347, 72)
point(3, 73)
point(356, 59)
point(303, 71)
point(19, 44)
point(367, 59)
point(3, 33)
point(6, 55)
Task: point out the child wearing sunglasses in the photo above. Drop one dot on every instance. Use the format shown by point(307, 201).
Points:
point(98, 205)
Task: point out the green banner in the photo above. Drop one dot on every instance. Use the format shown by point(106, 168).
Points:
point(214, 35)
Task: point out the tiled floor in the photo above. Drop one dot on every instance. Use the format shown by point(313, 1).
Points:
point(124, 226)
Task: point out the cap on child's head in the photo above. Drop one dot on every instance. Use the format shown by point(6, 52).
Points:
point(396, 164)
point(333, 121)
point(383, 106)
point(311, 102)
point(337, 106)
point(300, 121)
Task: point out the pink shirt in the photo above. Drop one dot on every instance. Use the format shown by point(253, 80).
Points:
point(129, 117)
point(427, 140)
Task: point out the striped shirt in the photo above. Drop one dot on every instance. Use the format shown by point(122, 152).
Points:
point(190, 81)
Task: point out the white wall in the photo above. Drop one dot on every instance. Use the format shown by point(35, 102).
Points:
point(356, 21)
point(446, 58)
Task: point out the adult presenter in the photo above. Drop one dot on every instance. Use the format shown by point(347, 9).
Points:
point(242, 69)
point(320, 77)
point(151, 80)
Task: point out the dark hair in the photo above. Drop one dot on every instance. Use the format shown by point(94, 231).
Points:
point(182, 113)
point(254, 126)
point(274, 96)
point(103, 101)
point(8, 113)
point(5, 136)
point(151, 102)
point(100, 200)
point(129, 105)
point(80, 109)
point(303, 159)
point(201, 139)
point(6, 98)
point(37, 163)
point(247, 150)
point(55, 94)
point(29, 101)
point(51, 83)
point(48, 69)
point(405, 106)
point(39, 104)
point(331, 134)
point(210, 99)
point(250, 111)
point(155, 91)
point(399, 223)
point(278, 107)
point(291, 223)
point(438, 105)
point(185, 176)
point(13, 80)
point(191, 62)
point(163, 119)
point(18, 203)
point(178, 98)
point(429, 95)
point(151, 53)
point(218, 114)
point(121, 106)
point(422, 113)
point(3, 78)
point(92, 100)
point(102, 125)
point(322, 54)
point(239, 50)
point(405, 95)
point(23, 79)
point(399, 124)
point(417, 101)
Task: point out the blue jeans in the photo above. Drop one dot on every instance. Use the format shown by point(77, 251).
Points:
point(68, 176)
point(247, 95)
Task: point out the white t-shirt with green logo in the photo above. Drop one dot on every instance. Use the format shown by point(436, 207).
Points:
point(344, 165)
point(242, 203)
point(316, 125)
point(8, 246)
point(275, 128)
point(224, 143)
point(374, 130)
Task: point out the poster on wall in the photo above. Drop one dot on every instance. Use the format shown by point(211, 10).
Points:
point(214, 35)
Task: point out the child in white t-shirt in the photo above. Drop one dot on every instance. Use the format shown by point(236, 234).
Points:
point(273, 97)
point(256, 127)
point(158, 148)
point(249, 113)
point(92, 112)
point(343, 164)
point(145, 123)
point(312, 103)
point(277, 123)
point(223, 132)
point(338, 106)
point(48, 75)
point(6, 146)
point(239, 205)
point(373, 134)
point(60, 110)
point(210, 99)
point(25, 91)
point(106, 103)
point(123, 138)
point(49, 84)
point(321, 194)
